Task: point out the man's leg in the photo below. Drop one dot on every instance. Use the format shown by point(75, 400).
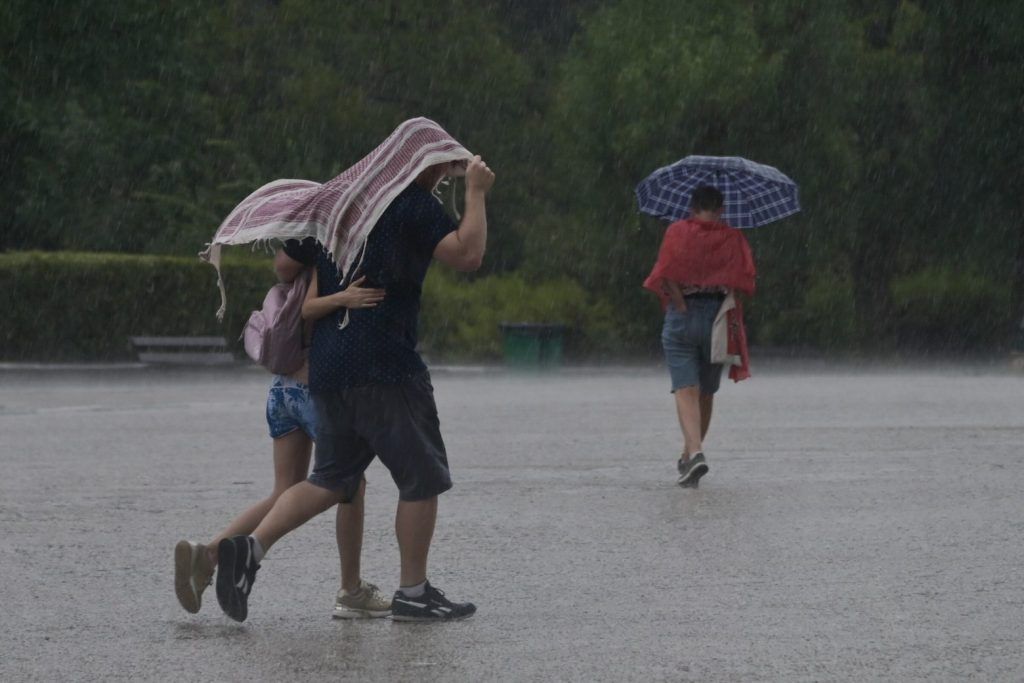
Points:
point(710, 378)
point(239, 556)
point(707, 402)
point(341, 456)
point(692, 465)
point(417, 600)
point(688, 410)
point(293, 508)
point(291, 465)
point(194, 563)
point(407, 439)
point(414, 527)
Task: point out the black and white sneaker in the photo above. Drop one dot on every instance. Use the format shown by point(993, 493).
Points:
point(431, 606)
point(236, 572)
point(692, 470)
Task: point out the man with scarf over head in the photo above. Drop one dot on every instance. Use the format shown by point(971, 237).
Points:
point(701, 262)
point(372, 391)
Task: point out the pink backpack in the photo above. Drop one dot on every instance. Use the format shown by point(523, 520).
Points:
point(273, 335)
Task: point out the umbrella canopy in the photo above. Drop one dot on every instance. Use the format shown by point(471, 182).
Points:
point(755, 194)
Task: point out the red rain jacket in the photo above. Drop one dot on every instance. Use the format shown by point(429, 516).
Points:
point(706, 254)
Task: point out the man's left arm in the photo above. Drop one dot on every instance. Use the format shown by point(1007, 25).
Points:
point(463, 249)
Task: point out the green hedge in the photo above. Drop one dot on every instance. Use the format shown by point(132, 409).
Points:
point(66, 306)
point(947, 309)
point(69, 306)
point(461, 315)
point(824, 319)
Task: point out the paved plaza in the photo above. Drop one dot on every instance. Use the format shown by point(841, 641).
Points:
point(857, 524)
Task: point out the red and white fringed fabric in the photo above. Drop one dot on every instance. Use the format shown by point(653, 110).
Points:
point(341, 212)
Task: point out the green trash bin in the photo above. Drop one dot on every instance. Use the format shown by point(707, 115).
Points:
point(533, 345)
point(1017, 350)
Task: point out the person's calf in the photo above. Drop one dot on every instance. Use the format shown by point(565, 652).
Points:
point(707, 403)
point(295, 507)
point(414, 527)
point(688, 411)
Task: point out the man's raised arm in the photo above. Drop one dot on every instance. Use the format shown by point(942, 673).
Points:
point(464, 248)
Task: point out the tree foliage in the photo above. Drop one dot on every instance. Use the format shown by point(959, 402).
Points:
point(135, 126)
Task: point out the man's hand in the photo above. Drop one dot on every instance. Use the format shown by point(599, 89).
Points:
point(479, 177)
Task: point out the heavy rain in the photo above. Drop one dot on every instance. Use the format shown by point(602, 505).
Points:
point(846, 173)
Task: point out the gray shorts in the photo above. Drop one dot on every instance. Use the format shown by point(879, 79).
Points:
point(686, 338)
point(396, 422)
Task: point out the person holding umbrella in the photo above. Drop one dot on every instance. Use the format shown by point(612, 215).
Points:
point(700, 262)
point(704, 259)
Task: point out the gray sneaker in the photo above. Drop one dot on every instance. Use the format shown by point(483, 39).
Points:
point(193, 572)
point(365, 603)
point(690, 471)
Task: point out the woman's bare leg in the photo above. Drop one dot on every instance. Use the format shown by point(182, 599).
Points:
point(348, 527)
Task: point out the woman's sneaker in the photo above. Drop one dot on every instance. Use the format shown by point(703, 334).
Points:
point(236, 573)
point(193, 572)
point(431, 606)
point(367, 602)
point(691, 471)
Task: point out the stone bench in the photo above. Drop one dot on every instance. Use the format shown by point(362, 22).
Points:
point(183, 350)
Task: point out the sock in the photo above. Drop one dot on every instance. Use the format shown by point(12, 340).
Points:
point(357, 591)
point(414, 591)
point(257, 550)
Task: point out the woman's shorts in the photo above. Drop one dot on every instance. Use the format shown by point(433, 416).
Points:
point(289, 407)
point(686, 338)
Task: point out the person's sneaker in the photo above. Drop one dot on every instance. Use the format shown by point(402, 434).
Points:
point(193, 572)
point(684, 480)
point(237, 572)
point(367, 602)
point(431, 606)
point(692, 470)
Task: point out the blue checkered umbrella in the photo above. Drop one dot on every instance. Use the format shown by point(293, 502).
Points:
point(755, 194)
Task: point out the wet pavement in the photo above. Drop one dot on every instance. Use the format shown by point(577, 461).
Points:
point(856, 525)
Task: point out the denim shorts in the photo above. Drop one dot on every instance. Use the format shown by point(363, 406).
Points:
point(686, 338)
point(397, 423)
point(289, 407)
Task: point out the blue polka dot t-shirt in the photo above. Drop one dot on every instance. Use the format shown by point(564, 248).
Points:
point(379, 344)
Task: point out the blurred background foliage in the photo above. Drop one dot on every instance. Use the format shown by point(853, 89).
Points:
point(134, 127)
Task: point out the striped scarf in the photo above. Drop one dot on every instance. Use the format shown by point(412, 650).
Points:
point(341, 212)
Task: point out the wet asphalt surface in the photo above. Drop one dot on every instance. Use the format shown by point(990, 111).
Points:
point(856, 525)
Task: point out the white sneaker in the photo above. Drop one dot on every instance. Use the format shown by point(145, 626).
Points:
point(367, 602)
